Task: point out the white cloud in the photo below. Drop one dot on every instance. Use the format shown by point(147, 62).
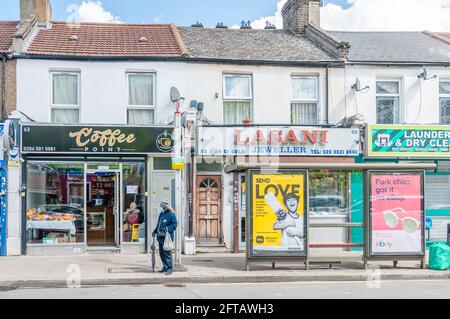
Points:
point(377, 15)
point(91, 11)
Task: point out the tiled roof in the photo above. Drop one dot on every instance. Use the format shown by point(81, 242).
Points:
point(7, 30)
point(444, 36)
point(107, 40)
point(251, 45)
point(406, 47)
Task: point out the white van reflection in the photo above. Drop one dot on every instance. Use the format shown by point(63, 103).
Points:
point(327, 206)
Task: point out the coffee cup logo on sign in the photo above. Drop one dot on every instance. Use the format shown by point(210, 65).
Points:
point(165, 142)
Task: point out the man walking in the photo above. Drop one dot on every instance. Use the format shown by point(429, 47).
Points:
point(167, 224)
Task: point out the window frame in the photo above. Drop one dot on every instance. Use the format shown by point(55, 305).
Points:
point(248, 99)
point(443, 96)
point(306, 101)
point(397, 95)
point(141, 107)
point(54, 106)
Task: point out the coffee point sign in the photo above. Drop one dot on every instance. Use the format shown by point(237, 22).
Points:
point(96, 139)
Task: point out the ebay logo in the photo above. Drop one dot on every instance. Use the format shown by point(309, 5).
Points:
point(384, 244)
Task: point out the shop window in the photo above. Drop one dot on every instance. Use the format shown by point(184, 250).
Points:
point(305, 100)
point(237, 96)
point(444, 101)
point(55, 203)
point(162, 163)
point(134, 216)
point(437, 192)
point(328, 193)
point(141, 101)
point(65, 103)
point(388, 102)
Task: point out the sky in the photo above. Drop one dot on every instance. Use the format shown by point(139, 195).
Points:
point(350, 15)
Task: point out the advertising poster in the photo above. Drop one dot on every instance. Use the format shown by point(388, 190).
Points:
point(278, 214)
point(396, 203)
point(412, 141)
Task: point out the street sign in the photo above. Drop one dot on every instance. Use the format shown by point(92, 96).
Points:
point(428, 223)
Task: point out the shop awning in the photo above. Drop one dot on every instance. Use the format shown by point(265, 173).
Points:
point(230, 168)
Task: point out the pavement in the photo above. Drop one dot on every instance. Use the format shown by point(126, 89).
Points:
point(118, 269)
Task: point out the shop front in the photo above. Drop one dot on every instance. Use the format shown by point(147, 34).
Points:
point(223, 151)
point(89, 188)
point(419, 144)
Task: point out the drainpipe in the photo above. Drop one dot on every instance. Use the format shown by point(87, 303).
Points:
point(3, 84)
point(327, 87)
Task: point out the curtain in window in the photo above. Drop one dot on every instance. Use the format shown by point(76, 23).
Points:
point(65, 89)
point(236, 111)
point(141, 117)
point(237, 86)
point(65, 116)
point(387, 110)
point(304, 113)
point(140, 89)
point(304, 88)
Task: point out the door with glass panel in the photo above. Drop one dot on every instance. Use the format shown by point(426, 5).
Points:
point(103, 210)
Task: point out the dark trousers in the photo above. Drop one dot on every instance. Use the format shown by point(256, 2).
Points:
point(166, 257)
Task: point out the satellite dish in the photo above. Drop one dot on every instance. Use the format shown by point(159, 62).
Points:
point(174, 94)
point(357, 86)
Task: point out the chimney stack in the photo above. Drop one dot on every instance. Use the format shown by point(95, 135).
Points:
point(39, 8)
point(298, 13)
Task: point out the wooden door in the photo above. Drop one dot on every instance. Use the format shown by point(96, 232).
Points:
point(209, 214)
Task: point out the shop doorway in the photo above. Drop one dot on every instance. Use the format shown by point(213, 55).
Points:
point(209, 212)
point(103, 208)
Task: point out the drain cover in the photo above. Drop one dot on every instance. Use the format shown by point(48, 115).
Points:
point(204, 260)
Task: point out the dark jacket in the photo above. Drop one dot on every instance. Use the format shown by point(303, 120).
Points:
point(166, 220)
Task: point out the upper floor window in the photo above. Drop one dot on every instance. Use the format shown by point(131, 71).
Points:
point(444, 101)
point(141, 99)
point(65, 97)
point(305, 100)
point(388, 102)
point(237, 98)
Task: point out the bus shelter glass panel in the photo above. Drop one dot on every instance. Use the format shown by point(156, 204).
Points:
point(55, 203)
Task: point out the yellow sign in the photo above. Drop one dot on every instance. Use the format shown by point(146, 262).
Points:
point(278, 212)
point(178, 163)
point(135, 232)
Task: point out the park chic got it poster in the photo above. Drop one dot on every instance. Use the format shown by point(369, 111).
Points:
point(396, 213)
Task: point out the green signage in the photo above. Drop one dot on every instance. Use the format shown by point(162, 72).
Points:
point(59, 139)
point(408, 141)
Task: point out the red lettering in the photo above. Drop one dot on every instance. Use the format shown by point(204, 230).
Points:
point(275, 137)
point(311, 137)
point(237, 138)
point(259, 138)
point(324, 137)
point(290, 138)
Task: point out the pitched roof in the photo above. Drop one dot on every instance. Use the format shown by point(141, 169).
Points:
point(7, 30)
point(251, 45)
point(394, 47)
point(443, 36)
point(107, 40)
